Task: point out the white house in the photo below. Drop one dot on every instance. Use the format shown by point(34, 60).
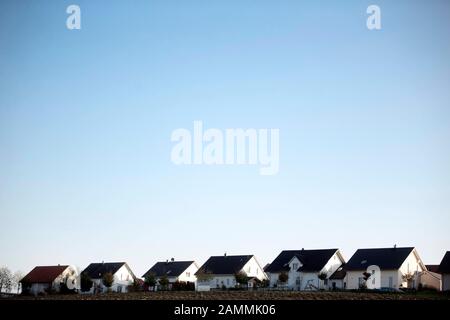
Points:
point(444, 270)
point(304, 269)
point(219, 272)
point(175, 271)
point(123, 276)
point(398, 268)
point(47, 279)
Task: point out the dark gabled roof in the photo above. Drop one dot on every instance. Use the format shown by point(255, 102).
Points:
point(312, 260)
point(384, 258)
point(339, 274)
point(432, 268)
point(169, 268)
point(444, 267)
point(97, 270)
point(43, 274)
point(224, 264)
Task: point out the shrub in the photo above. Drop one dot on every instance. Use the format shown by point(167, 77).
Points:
point(108, 280)
point(164, 282)
point(85, 282)
point(135, 286)
point(283, 277)
point(241, 278)
point(183, 286)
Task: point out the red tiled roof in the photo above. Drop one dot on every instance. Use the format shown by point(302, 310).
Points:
point(44, 274)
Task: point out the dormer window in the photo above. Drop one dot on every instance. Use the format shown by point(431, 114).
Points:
point(295, 266)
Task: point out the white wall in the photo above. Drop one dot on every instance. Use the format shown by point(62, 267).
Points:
point(37, 288)
point(387, 277)
point(412, 266)
point(189, 274)
point(273, 278)
point(253, 269)
point(430, 279)
point(122, 278)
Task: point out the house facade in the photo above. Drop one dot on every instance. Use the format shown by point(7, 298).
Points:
point(48, 279)
point(444, 270)
point(304, 269)
point(123, 276)
point(175, 271)
point(390, 268)
point(219, 272)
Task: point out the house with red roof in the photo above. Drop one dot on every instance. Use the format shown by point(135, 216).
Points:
point(48, 279)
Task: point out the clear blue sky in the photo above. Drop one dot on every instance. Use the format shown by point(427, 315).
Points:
point(86, 118)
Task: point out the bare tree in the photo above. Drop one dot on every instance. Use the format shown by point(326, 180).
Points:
point(18, 275)
point(6, 279)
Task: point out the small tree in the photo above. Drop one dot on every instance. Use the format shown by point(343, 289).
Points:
point(164, 282)
point(150, 280)
point(241, 278)
point(407, 277)
point(85, 282)
point(283, 277)
point(108, 280)
point(6, 279)
point(363, 284)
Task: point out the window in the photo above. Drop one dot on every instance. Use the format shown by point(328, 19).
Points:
point(297, 281)
point(325, 282)
point(188, 274)
point(119, 289)
point(295, 266)
point(228, 282)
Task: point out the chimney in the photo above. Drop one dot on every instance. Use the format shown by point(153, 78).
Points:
point(225, 254)
point(172, 259)
point(395, 246)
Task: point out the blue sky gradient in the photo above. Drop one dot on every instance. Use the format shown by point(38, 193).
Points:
point(86, 118)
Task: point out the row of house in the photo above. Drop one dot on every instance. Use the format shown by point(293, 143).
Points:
point(323, 269)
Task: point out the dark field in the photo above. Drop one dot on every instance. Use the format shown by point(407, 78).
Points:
point(245, 295)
